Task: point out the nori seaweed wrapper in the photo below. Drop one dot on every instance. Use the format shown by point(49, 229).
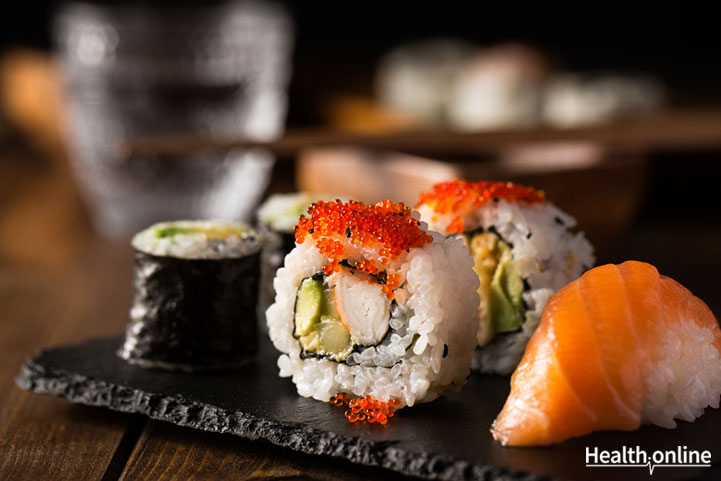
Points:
point(277, 245)
point(192, 314)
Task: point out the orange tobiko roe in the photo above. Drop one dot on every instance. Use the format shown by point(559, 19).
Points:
point(366, 409)
point(386, 226)
point(460, 196)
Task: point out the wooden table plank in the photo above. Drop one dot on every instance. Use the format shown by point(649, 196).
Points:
point(50, 295)
point(45, 438)
point(52, 439)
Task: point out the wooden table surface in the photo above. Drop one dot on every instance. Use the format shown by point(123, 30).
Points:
point(59, 284)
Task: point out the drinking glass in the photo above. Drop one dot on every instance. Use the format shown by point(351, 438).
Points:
point(213, 68)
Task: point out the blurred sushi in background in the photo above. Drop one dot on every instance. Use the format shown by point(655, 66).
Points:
point(451, 84)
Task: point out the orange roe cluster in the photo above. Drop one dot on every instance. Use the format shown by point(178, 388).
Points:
point(386, 226)
point(461, 195)
point(366, 409)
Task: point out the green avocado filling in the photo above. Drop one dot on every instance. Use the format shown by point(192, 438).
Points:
point(173, 230)
point(501, 287)
point(318, 327)
point(214, 232)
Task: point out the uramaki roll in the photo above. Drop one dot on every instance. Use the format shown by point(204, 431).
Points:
point(370, 303)
point(523, 251)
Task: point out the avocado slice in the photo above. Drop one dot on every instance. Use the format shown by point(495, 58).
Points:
point(318, 327)
point(507, 294)
point(308, 303)
point(501, 287)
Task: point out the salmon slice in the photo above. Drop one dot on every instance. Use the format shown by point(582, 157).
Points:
point(584, 367)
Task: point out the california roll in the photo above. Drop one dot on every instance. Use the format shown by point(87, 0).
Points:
point(369, 303)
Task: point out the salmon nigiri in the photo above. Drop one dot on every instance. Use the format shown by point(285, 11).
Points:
point(617, 347)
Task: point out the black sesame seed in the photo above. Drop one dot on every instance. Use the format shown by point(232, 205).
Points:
point(492, 229)
point(445, 350)
point(347, 231)
point(311, 231)
point(559, 221)
point(528, 236)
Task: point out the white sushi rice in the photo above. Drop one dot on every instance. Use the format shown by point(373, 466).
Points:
point(684, 376)
point(436, 312)
point(545, 253)
point(198, 244)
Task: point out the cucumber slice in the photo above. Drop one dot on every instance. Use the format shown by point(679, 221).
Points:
point(335, 339)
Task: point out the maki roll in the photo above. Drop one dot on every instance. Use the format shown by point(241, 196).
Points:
point(371, 304)
point(277, 217)
point(194, 296)
point(523, 252)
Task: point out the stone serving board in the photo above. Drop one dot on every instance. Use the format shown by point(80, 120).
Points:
point(446, 439)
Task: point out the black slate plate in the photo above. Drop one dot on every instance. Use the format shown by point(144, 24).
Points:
point(445, 439)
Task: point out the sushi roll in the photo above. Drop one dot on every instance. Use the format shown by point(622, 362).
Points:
point(194, 285)
point(523, 252)
point(369, 303)
point(277, 217)
point(620, 346)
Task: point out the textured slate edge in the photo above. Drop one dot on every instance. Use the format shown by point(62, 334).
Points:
point(35, 377)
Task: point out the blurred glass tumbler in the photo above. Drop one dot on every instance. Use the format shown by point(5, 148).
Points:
point(220, 69)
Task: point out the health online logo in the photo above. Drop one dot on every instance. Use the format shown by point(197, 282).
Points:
point(635, 457)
